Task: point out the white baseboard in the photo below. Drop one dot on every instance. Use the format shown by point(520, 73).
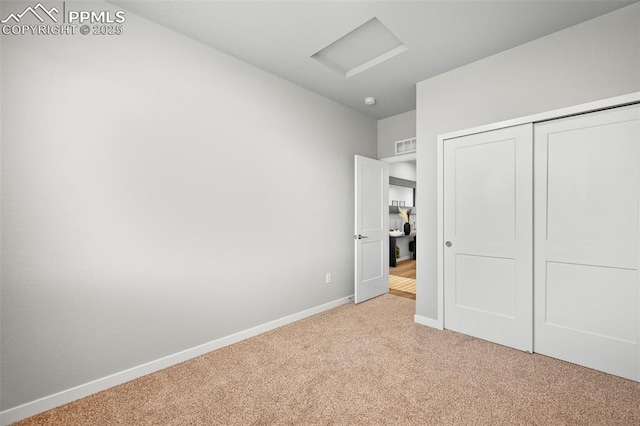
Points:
point(430, 322)
point(47, 403)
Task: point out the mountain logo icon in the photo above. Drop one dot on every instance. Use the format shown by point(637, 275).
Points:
point(38, 11)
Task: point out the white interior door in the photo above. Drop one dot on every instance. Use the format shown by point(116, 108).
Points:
point(488, 195)
point(371, 237)
point(587, 196)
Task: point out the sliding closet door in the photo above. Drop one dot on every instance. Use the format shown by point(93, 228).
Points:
point(587, 196)
point(488, 194)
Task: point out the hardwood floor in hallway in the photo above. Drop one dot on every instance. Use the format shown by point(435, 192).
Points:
point(405, 269)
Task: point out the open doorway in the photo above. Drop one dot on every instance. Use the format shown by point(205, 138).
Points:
point(403, 225)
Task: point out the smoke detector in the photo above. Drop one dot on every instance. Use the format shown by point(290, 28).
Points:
point(370, 100)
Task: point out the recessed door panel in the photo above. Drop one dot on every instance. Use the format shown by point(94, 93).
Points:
point(372, 181)
point(592, 172)
point(488, 235)
point(486, 284)
point(587, 193)
point(592, 299)
point(372, 269)
point(485, 185)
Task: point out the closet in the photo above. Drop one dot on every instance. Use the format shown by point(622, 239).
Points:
point(540, 235)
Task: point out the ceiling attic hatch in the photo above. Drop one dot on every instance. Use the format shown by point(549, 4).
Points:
point(365, 47)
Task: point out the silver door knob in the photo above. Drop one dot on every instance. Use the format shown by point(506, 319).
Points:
point(448, 244)
point(359, 237)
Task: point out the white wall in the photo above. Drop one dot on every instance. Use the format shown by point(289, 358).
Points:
point(157, 195)
point(395, 128)
point(594, 60)
point(402, 194)
point(403, 170)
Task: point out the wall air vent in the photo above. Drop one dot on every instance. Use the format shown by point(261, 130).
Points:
point(406, 146)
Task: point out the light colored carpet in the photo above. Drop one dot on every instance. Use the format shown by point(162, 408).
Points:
point(403, 284)
point(362, 364)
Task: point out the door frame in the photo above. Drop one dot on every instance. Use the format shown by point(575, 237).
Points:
point(632, 98)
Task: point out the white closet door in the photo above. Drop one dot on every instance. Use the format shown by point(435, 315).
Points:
point(488, 195)
point(587, 196)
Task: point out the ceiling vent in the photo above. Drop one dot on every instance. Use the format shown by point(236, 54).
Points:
point(406, 146)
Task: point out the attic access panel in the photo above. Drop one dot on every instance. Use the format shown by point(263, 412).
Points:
point(365, 47)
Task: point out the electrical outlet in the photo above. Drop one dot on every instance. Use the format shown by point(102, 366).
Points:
point(327, 278)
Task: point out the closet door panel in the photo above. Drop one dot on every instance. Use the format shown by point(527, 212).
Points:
point(488, 226)
point(587, 220)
